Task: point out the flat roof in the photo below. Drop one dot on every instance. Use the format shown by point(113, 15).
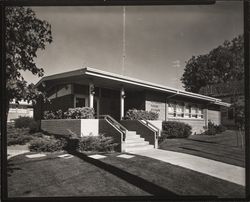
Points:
point(95, 73)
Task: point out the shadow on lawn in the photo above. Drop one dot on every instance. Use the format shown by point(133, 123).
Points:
point(133, 179)
point(204, 141)
point(11, 167)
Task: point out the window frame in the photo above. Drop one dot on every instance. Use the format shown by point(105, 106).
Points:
point(188, 110)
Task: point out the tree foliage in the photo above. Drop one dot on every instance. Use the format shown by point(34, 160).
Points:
point(221, 65)
point(25, 35)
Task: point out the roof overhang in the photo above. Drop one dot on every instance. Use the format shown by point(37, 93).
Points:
point(86, 75)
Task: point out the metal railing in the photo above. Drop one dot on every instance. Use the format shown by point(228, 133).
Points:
point(115, 123)
point(147, 123)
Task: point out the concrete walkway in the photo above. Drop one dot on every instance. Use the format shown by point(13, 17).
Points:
point(213, 168)
point(16, 150)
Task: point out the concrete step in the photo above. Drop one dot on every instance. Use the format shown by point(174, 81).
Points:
point(134, 140)
point(135, 144)
point(134, 136)
point(130, 132)
point(139, 147)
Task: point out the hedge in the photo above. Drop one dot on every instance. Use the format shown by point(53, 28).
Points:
point(71, 113)
point(47, 144)
point(134, 114)
point(97, 143)
point(214, 129)
point(174, 129)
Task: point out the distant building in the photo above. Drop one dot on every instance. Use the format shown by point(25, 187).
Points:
point(22, 109)
point(227, 92)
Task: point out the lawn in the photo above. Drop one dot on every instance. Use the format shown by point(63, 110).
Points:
point(222, 147)
point(111, 176)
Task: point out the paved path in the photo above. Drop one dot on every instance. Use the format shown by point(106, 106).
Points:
point(16, 150)
point(213, 168)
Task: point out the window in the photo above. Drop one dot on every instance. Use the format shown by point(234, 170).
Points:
point(179, 110)
point(200, 113)
point(80, 102)
point(185, 110)
point(171, 110)
point(194, 112)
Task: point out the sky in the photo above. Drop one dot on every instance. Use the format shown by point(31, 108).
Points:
point(158, 39)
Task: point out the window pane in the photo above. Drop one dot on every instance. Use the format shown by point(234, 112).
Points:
point(171, 107)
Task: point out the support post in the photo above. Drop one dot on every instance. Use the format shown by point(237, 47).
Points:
point(91, 94)
point(206, 116)
point(122, 97)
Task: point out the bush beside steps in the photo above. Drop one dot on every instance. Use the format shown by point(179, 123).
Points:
point(174, 129)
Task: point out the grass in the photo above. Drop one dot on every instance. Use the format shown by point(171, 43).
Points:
point(222, 147)
point(111, 176)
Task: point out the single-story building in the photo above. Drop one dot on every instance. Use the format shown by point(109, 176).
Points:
point(23, 108)
point(113, 94)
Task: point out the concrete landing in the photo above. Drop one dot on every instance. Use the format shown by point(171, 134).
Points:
point(213, 168)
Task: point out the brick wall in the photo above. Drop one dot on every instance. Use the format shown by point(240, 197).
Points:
point(62, 126)
point(214, 116)
point(108, 130)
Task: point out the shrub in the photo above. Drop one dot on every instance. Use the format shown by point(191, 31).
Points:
point(33, 127)
point(213, 129)
point(97, 143)
point(134, 114)
point(47, 144)
point(48, 115)
point(18, 136)
point(53, 115)
point(80, 113)
point(23, 122)
point(220, 128)
point(173, 129)
point(71, 113)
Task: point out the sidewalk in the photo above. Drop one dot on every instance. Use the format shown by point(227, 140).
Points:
point(16, 150)
point(213, 168)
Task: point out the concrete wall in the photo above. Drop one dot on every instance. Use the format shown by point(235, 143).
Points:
point(89, 127)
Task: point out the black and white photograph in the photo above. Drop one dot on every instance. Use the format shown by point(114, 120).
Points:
point(126, 101)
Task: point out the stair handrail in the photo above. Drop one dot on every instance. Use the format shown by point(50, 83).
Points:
point(116, 124)
point(152, 126)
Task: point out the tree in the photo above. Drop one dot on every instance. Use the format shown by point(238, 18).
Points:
point(221, 65)
point(25, 35)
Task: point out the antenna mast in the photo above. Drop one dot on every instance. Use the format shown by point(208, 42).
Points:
point(124, 40)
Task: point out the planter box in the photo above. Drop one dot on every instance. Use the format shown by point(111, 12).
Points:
point(89, 127)
point(80, 127)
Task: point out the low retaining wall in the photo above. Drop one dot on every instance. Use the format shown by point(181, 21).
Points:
point(82, 127)
point(62, 126)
